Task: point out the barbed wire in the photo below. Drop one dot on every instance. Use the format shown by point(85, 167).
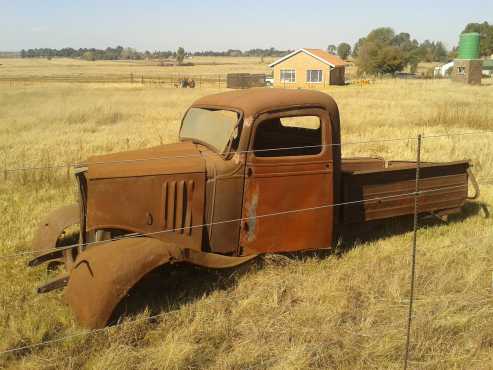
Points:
point(397, 196)
point(122, 161)
point(148, 318)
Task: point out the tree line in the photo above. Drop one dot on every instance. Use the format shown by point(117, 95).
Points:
point(122, 53)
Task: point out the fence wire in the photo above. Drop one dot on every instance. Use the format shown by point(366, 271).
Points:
point(414, 194)
point(293, 211)
point(145, 319)
point(81, 164)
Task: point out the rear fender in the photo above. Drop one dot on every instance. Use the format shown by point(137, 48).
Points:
point(103, 275)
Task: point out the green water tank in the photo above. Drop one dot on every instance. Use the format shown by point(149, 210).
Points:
point(469, 46)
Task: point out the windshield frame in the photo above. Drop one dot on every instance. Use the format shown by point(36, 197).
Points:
point(239, 125)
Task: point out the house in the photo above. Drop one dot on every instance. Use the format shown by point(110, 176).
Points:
point(309, 68)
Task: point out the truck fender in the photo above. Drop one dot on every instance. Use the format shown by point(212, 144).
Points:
point(52, 226)
point(103, 275)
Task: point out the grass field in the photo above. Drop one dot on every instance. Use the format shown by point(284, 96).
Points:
point(344, 311)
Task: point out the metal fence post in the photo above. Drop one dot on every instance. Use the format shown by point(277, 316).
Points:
point(413, 251)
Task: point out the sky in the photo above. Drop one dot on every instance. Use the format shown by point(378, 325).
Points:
point(221, 25)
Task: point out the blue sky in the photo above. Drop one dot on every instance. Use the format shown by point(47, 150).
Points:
point(220, 24)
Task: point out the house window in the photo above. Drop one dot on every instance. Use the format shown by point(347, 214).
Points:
point(288, 75)
point(461, 70)
point(314, 75)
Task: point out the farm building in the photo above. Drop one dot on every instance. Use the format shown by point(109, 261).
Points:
point(308, 68)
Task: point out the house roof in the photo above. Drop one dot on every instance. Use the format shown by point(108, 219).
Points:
point(322, 55)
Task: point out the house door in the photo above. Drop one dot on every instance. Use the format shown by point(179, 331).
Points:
point(289, 183)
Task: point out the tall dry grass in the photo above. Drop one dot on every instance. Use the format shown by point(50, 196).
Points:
point(345, 310)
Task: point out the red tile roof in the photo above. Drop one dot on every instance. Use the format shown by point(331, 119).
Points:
point(331, 58)
point(320, 54)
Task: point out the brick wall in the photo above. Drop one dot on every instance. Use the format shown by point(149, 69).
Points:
point(467, 71)
point(302, 62)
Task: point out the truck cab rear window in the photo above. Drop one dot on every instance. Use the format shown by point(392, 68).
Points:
point(288, 136)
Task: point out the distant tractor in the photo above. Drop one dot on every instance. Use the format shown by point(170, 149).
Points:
point(186, 83)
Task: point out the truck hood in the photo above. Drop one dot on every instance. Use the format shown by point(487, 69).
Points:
point(179, 158)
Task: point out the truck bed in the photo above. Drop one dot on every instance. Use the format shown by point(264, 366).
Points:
point(445, 186)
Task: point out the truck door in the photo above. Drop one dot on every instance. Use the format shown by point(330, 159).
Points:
point(289, 181)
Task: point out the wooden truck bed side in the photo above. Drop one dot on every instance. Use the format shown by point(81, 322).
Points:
point(444, 187)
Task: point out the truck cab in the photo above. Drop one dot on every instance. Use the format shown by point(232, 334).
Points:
point(275, 175)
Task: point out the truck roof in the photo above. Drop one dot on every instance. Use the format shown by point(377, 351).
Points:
point(258, 100)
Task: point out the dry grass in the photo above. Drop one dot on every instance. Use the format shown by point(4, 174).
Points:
point(205, 66)
point(347, 310)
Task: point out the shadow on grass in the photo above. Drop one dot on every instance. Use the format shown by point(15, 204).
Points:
point(171, 286)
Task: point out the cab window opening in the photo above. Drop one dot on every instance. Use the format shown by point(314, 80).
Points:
point(288, 136)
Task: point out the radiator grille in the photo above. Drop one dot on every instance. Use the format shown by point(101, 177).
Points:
point(177, 206)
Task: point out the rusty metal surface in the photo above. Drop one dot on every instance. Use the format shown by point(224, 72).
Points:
point(101, 277)
point(224, 198)
point(49, 230)
point(448, 181)
point(56, 283)
point(167, 205)
point(284, 183)
point(260, 100)
point(360, 164)
point(173, 159)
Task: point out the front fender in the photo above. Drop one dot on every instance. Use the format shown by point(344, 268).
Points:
point(103, 275)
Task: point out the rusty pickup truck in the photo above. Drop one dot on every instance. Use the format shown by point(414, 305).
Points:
point(256, 171)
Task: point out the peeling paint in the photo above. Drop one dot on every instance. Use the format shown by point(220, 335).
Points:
point(252, 216)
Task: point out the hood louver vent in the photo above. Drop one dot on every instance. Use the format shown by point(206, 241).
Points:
point(177, 206)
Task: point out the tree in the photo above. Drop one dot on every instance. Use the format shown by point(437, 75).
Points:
point(357, 46)
point(379, 54)
point(344, 50)
point(485, 31)
point(23, 53)
point(332, 49)
point(89, 55)
point(433, 51)
point(180, 55)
